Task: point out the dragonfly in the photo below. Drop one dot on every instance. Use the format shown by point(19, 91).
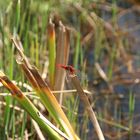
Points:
point(72, 71)
point(68, 68)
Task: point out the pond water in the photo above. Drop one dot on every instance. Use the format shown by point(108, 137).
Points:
point(128, 22)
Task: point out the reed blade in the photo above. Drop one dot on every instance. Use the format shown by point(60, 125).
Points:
point(84, 99)
point(44, 92)
point(49, 128)
point(62, 55)
point(52, 51)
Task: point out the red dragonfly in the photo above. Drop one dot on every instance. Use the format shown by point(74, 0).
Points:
point(69, 68)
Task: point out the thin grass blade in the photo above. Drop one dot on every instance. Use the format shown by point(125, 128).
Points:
point(85, 100)
point(52, 51)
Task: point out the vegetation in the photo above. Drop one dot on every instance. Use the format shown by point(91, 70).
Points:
point(69, 69)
